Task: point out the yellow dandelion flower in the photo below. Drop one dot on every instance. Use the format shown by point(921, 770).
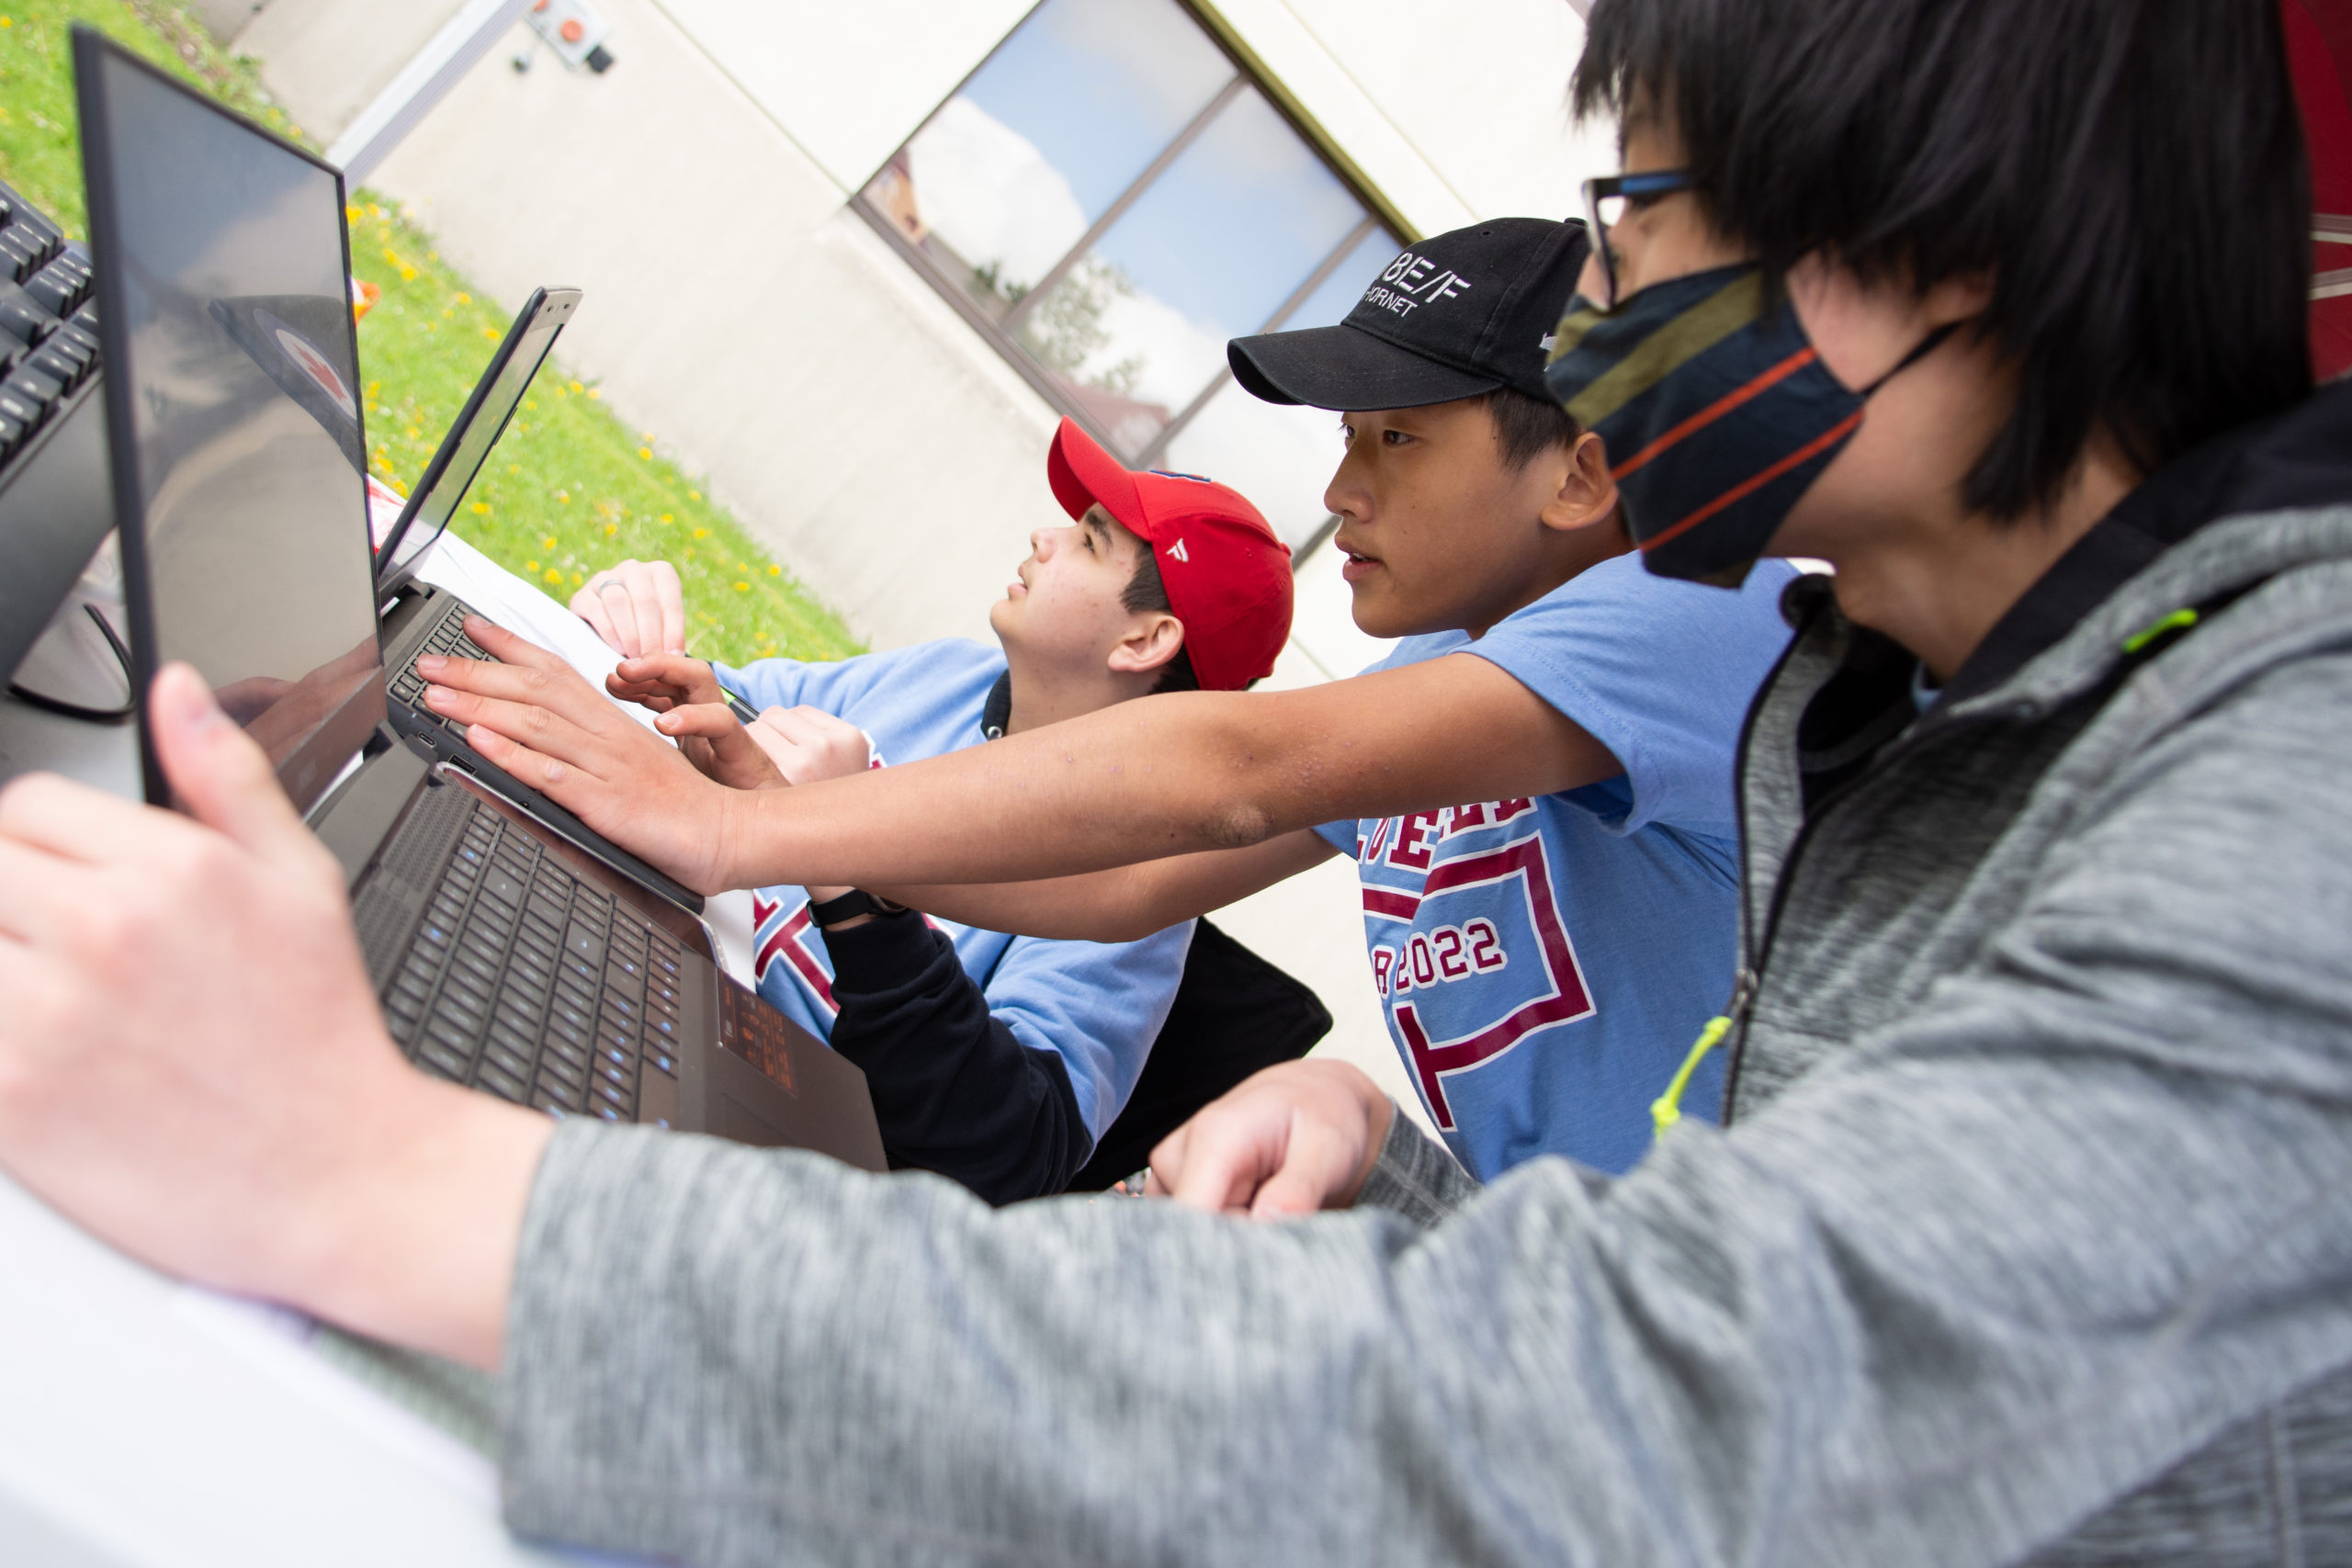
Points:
point(593, 394)
point(564, 496)
point(413, 433)
point(702, 533)
point(741, 586)
point(465, 298)
point(530, 566)
point(408, 275)
point(575, 386)
point(530, 403)
point(547, 543)
point(513, 467)
point(577, 579)
point(553, 575)
point(482, 509)
point(490, 332)
point(667, 518)
point(645, 452)
point(776, 572)
point(351, 214)
point(611, 529)
point(375, 210)
point(693, 495)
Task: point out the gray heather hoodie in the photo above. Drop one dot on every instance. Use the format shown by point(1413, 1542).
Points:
point(2030, 1238)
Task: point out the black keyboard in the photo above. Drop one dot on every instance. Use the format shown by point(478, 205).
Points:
point(49, 339)
point(449, 639)
point(521, 978)
point(446, 634)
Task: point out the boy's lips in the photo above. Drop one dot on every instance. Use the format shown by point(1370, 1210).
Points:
point(1359, 565)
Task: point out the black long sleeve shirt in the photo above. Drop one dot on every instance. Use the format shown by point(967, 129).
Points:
point(953, 1089)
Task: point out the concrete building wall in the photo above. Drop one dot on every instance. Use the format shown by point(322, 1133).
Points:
point(739, 312)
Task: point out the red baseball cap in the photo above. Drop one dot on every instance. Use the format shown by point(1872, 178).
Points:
point(1228, 577)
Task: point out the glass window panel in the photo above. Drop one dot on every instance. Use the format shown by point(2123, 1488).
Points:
point(1231, 228)
point(1011, 171)
point(1338, 294)
point(1280, 456)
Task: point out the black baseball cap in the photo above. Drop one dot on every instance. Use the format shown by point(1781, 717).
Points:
point(1451, 316)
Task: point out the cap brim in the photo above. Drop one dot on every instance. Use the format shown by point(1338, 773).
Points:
point(1343, 367)
point(1082, 474)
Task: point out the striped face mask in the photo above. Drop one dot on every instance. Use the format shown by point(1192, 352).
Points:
point(1717, 413)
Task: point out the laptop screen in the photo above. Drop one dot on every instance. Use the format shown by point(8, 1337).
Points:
point(481, 422)
point(233, 408)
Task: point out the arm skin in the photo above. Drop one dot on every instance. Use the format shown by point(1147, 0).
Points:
point(1126, 903)
point(1164, 775)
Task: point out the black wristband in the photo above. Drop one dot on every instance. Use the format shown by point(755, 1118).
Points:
point(850, 906)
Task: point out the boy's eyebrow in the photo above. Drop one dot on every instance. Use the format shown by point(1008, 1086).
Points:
point(1095, 523)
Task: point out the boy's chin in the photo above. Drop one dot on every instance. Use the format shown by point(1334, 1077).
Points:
point(1377, 614)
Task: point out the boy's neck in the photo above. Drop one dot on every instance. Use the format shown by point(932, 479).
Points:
point(1578, 553)
point(1044, 696)
point(1940, 585)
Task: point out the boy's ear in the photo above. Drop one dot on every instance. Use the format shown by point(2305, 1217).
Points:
point(1587, 492)
point(1151, 640)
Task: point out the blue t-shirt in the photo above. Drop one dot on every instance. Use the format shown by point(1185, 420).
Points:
point(1545, 964)
point(1099, 1006)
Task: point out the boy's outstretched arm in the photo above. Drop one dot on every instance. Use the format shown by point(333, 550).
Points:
point(1157, 776)
point(1125, 903)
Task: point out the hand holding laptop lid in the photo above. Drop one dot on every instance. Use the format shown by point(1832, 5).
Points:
point(242, 1123)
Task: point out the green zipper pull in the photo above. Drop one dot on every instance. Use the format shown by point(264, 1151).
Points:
point(1667, 1109)
point(2178, 621)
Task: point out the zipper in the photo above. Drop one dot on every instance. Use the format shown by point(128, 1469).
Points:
point(1755, 947)
point(1760, 949)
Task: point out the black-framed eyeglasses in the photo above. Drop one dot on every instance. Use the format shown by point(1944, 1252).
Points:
point(1606, 202)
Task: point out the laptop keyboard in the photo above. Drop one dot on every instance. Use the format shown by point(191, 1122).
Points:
point(524, 981)
point(448, 638)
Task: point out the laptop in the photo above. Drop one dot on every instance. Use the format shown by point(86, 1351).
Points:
point(418, 618)
point(506, 957)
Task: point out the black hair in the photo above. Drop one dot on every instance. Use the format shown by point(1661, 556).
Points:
point(2129, 173)
point(1146, 594)
point(1526, 426)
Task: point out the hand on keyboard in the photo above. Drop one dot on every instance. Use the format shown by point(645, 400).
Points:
point(696, 714)
point(533, 715)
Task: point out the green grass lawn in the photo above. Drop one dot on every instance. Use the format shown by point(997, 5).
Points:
point(570, 489)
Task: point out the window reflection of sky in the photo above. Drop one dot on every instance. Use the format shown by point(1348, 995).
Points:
point(1237, 223)
point(1100, 86)
point(1059, 123)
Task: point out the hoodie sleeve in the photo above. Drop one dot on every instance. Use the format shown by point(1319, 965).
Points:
point(2004, 1260)
point(954, 1089)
